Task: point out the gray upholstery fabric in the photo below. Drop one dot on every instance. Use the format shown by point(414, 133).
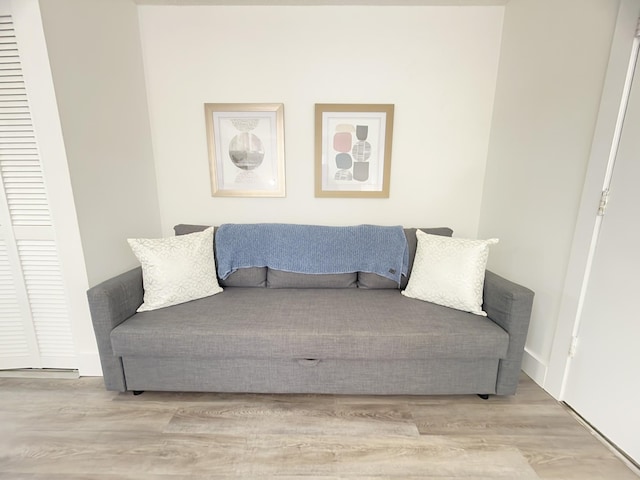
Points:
point(364, 377)
point(184, 229)
point(246, 277)
point(111, 303)
point(377, 282)
point(280, 279)
point(374, 281)
point(310, 323)
point(508, 305)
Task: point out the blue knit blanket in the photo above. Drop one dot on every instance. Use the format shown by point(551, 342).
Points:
point(312, 249)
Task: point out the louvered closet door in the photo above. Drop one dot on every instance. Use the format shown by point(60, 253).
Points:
point(35, 328)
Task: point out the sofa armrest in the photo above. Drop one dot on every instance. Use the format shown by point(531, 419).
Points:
point(509, 305)
point(111, 303)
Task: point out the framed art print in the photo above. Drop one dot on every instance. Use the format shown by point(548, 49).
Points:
point(246, 149)
point(353, 150)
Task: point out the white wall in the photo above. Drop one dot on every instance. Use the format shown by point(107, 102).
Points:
point(95, 57)
point(438, 65)
point(552, 68)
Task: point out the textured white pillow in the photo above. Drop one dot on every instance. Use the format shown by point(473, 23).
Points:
point(449, 271)
point(176, 269)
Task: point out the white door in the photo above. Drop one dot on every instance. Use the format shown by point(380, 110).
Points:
point(603, 381)
point(35, 328)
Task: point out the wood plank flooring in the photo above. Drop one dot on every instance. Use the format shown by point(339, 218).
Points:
point(72, 429)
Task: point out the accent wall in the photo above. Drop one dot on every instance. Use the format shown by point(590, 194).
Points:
point(437, 65)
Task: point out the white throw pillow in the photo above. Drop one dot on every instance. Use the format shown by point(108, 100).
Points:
point(176, 269)
point(449, 271)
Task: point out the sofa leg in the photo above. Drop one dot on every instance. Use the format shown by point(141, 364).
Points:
point(138, 392)
point(483, 396)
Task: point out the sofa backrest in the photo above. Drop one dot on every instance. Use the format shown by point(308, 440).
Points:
point(270, 278)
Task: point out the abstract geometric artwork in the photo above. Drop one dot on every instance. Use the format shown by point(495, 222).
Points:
point(246, 149)
point(353, 150)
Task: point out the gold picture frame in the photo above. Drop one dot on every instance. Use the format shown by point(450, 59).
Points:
point(246, 149)
point(353, 150)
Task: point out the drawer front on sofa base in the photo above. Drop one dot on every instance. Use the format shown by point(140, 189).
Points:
point(401, 377)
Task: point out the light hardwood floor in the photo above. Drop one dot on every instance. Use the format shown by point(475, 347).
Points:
point(72, 429)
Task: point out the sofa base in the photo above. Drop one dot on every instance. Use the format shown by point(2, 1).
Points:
point(330, 376)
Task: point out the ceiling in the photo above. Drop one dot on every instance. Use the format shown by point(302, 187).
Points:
point(326, 2)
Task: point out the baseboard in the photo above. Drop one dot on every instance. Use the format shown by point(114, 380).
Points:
point(533, 366)
point(48, 373)
point(89, 365)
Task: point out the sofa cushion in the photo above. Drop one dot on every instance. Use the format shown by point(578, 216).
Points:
point(246, 277)
point(281, 279)
point(449, 272)
point(183, 229)
point(346, 323)
point(373, 280)
point(176, 269)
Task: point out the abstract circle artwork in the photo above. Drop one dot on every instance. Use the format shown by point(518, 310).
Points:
point(246, 150)
point(352, 158)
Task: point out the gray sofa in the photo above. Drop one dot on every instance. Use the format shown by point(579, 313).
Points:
point(271, 331)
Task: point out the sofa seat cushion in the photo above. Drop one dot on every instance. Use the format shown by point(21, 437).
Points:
point(309, 324)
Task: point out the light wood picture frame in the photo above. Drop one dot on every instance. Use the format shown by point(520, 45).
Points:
point(353, 150)
point(246, 149)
